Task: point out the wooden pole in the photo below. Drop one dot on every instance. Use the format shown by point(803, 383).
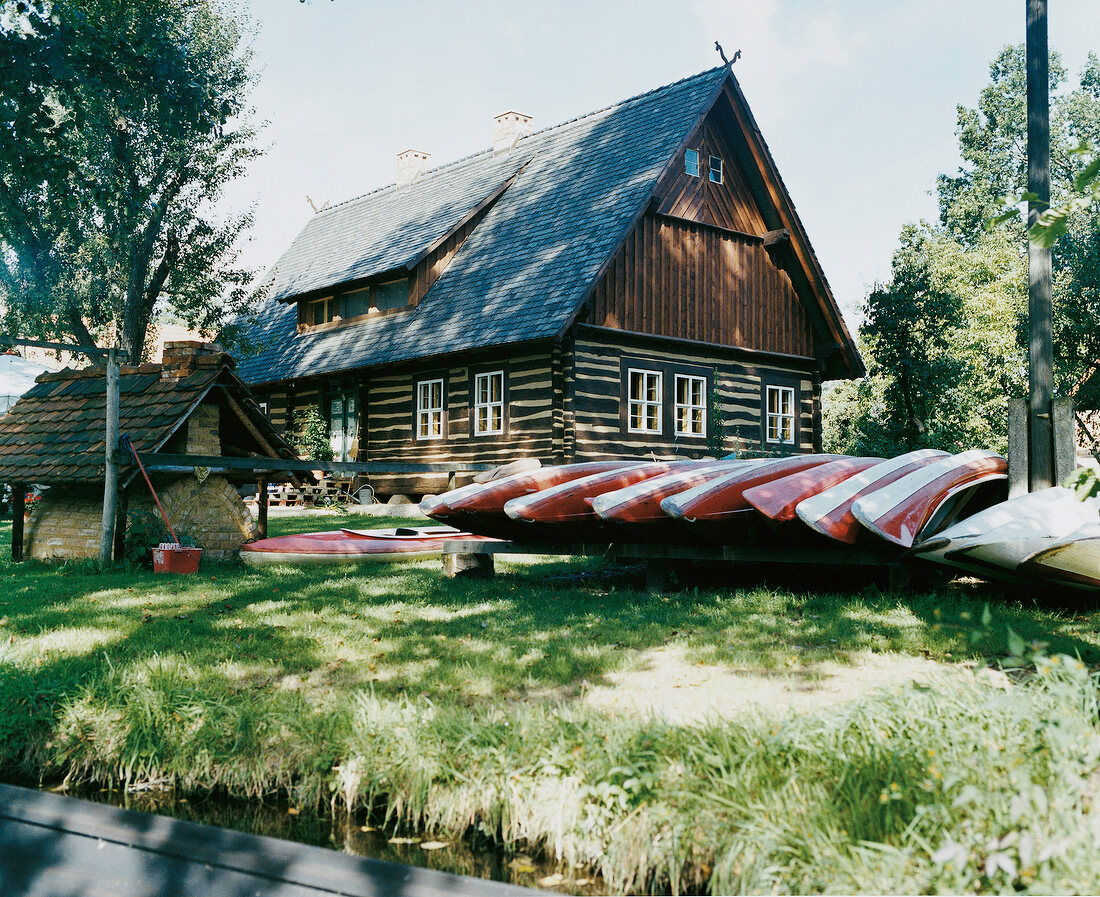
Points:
point(1040, 340)
point(18, 507)
point(110, 479)
point(261, 507)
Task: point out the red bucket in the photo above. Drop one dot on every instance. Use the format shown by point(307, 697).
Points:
point(171, 557)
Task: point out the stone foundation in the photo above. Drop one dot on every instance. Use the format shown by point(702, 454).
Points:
point(66, 523)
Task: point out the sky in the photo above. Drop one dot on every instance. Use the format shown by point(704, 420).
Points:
point(855, 98)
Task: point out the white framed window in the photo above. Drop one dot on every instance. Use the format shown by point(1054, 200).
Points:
point(643, 401)
point(716, 171)
point(779, 423)
point(691, 409)
point(489, 403)
point(691, 162)
point(429, 409)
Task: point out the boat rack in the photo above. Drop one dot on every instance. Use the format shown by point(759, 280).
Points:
point(475, 558)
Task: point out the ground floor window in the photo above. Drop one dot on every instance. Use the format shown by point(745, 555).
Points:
point(489, 403)
point(691, 409)
point(644, 401)
point(343, 426)
point(429, 409)
point(779, 423)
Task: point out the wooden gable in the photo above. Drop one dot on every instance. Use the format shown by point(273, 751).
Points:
point(725, 263)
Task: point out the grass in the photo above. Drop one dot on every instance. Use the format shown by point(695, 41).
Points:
point(460, 705)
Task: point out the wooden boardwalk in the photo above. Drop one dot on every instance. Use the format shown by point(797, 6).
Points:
point(54, 846)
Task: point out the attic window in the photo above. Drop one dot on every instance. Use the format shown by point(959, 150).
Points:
point(354, 305)
point(691, 162)
point(716, 169)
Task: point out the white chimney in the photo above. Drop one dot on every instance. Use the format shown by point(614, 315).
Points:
point(409, 165)
point(508, 127)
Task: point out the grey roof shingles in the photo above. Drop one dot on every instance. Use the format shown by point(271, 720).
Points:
point(523, 270)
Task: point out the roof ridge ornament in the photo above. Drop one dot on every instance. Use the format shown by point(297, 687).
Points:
point(728, 62)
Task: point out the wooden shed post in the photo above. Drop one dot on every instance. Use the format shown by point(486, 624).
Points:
point(18, 497)
point(110, 477)
point(261, 507)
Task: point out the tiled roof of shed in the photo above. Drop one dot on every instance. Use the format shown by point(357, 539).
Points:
point(525, 268)
point(55, 432)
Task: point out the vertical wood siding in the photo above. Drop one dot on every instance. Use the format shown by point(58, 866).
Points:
point(599, 431)
point(689, 281)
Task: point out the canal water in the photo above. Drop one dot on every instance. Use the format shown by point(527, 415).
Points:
point(355, 834)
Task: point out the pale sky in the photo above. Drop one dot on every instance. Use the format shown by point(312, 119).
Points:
point(856, 98)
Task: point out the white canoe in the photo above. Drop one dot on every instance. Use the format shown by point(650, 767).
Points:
point(1073, 560)
point(926, 498)
point(830, 512)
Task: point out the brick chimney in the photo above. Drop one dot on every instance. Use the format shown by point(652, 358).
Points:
point(409, 165)
point(508, 127)
point(184, 357)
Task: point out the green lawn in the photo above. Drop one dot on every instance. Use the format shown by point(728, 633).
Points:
point(461, 704)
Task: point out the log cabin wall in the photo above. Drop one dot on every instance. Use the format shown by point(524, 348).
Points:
point(603, 357)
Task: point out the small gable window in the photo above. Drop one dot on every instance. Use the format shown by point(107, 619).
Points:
point(321, 311)
point(391, 295)
point(691, 411)
point(691, 162)
point(489, 404)
point(354, 304)
point(779, 425)
point(644, 401)
point(429, 409)
point(716, 169)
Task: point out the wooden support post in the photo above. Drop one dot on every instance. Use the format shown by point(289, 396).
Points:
point(1017, 447)
point(261, 507)
point(452, 480)
point(1040, 331)
point(110, 479)
point(1065, 441)
point(120, 525)
point(18, 507)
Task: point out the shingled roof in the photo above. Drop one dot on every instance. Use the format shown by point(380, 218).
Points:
point(55, 433)
point(524, 270)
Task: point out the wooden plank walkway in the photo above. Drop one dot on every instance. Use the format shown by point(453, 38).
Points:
point(54, 846)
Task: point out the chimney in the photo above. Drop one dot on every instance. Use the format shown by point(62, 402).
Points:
point(183, 357)
point(409, 165)
point(508, 127)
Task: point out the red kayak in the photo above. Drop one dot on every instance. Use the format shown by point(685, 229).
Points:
point(347, 546)
point(928, 499)
point(777, 499)
point(481, 510)
point(724, 495)
point(641, 503)
point(830, 512)
point(571, 502)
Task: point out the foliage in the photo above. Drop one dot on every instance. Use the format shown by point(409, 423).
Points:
point(945, 338)
point(310, 434)
point(465, 707)
point(121, 124)
point(716, 419)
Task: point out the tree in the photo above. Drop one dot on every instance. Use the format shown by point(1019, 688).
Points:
point(945, 338)
point(120, 125)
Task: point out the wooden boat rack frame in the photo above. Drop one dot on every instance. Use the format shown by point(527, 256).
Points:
point(475, 558)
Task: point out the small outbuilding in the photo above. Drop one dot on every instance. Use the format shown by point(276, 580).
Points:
point(191, 404)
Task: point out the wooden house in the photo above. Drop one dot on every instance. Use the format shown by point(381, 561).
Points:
point(631, 283)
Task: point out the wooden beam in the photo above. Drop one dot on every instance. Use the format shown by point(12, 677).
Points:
point(162, 461)
point(18, 508)
point(775, 237)
point(65, 347)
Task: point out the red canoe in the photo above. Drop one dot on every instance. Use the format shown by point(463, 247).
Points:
point(348, 546)
point(724, 497)
point(927, 498)
point(571, 502)
point(830, 512)
point(777, 499)
point(641, 503)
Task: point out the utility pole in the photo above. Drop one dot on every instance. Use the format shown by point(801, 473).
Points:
point(110, 478)
point(1040, 334)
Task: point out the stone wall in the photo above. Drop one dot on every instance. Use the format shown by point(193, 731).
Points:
point(65, 523)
